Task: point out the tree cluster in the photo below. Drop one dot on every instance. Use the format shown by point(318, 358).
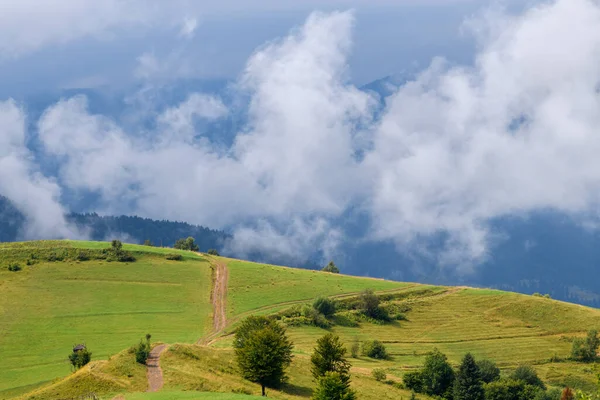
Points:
point(331, 267)
point(476, 380)
point(186, 244)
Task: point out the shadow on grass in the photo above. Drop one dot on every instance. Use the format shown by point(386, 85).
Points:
point(296, 390)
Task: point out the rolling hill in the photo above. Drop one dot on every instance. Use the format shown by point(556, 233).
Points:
point(71, 294)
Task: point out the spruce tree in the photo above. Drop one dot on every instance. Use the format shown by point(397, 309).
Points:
point(468, 384)
point(330, 356)
point(332, 386)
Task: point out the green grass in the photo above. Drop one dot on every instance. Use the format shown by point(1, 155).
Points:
point(253, 286)
point(49, 306)
point(119, 374)
point(198, 368)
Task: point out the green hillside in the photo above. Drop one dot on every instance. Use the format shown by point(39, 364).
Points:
point(51, 305)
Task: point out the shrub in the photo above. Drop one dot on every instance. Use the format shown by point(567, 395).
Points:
point(375, 349)
point(56, 256)
point(314, 317)
point(14, 267)
point(586, 349)
point(527, 374)
point(333, 387)
point(79, 358)
point(174, 257)
point(355, 348)
point(488, 370)
point(213, 252)
point(142, 350)
point(331, 267)
point(83, 256)
point(116, 253)
point(379, 374)
point(413, 381)
point(369, 306)
point(324, 306)
point(510, 389)
point(567, 394)
point(147, 242)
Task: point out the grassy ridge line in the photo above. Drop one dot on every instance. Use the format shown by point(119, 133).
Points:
point(45, 246)
point(228, 330)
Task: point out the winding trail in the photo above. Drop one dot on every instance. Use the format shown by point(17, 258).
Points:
point(219, 299)
point(155, 376)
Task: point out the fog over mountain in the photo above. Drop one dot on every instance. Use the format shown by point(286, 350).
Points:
point(482, 173)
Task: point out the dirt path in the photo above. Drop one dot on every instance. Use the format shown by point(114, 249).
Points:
point(219, 299)
point(155, 376)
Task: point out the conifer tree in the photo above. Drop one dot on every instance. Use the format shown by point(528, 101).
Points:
point(468, 384)
point(330, 356)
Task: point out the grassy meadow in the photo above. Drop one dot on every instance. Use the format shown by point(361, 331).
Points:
point(49, 306)
point(254, 286)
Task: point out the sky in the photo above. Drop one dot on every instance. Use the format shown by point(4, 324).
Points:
point(499, 119)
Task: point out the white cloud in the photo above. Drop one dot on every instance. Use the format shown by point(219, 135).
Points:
point(515, 133)
point(445, 157)
point(27, 25)
point(188, 27)
point(36, 196)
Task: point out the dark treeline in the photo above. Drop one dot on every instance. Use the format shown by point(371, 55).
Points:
point(158, 232)
point(131, 228)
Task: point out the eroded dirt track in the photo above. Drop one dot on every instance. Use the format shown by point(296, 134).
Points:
point(219, 301)
point(155, 376)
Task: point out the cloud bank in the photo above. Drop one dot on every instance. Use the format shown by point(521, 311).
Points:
point(457, 147)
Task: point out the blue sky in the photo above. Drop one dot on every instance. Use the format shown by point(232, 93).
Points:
point(389, 36)
point(500, 118)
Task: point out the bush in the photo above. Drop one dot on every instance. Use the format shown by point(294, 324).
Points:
point(369, 306)
point(355, 348)
point(174, 257)
point(79, 358)
point(56, 256)
point(213, 252)
point(333, 386)
point(14, 267)
point(324, 306)
point(83, 256)
point(527, 374)
point(510, 389)
point(315, 318)
point(331, 267)
point(375, 349)
point(586, 349)
point(147, 242)
point(413, 381)
point(379, 374)
point(488, 370)
point(142, 350)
